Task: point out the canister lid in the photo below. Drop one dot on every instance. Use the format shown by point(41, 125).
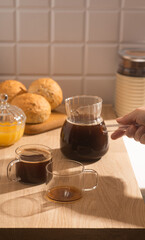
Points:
point(132, 62)
point(9, 114)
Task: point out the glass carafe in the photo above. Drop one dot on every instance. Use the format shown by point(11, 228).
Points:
point(84, 136)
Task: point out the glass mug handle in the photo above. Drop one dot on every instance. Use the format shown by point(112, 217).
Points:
point(91, 171)
point(9, 169)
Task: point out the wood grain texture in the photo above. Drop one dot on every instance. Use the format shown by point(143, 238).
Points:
point(115, 204)
point(55, 120)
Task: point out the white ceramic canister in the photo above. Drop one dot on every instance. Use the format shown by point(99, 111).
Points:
point(130, 81)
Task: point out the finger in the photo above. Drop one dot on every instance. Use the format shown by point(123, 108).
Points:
point(142, 139)
point(139, 133)
point(136, 116)
point(128, 118)
point(117, 134)
point(130, 131)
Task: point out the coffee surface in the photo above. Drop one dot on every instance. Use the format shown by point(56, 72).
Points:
point(64, 193)
point(34, 155)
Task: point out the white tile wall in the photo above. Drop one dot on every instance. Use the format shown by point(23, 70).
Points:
point(67, 60)
point(75, 42)
point(6, 3)
point(100, 59)
point(101, 86)
point(33, 25)
point(8, 58)
point(134, 4)
point(108, 32)
point(67, 26)
point(64, 4)
point(74, 85)
point(7, 25)
point(33, 59)
point(131, 30)
point(103, 4)
point(32, 3)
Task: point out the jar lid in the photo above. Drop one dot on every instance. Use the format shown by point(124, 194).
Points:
point(133, 55)
point(132, 62)
point(9, 114)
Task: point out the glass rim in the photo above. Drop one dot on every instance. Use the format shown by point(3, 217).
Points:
point(44, 147)
point(85, 96)
point(69, 174)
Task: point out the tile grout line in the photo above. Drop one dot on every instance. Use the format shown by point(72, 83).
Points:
point(16, 39)
point(50, 40)
point(84, 48)
point(121, 22)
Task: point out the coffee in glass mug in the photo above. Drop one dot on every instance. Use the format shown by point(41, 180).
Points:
point(66, 180)
point(30, 163)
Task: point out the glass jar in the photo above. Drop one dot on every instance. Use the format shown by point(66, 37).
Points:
point(130, 81)
point(84, 135)
point(12, 122)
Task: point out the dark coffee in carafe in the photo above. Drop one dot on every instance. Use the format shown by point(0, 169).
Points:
point(84, 142)
point(84, 136)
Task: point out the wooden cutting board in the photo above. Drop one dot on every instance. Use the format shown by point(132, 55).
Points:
point(55, 120)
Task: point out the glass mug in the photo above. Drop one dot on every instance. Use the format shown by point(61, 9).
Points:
point(30, 163)
point(66, 180)
point(84, 135)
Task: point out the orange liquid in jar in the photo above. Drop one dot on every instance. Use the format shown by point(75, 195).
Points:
point(10, 133)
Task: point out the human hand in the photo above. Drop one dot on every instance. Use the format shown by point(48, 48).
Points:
point(136, 130)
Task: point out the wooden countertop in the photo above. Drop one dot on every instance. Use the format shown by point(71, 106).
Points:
point(114, 210)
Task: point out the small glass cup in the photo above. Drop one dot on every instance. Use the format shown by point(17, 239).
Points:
point(66, 181)
point(30, 163)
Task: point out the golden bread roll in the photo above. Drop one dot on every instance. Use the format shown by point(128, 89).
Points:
point(36, 108)
point(12, 88)
point(49, 89)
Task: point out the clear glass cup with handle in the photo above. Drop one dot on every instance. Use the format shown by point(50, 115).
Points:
point(67, 180)
point(29, 164)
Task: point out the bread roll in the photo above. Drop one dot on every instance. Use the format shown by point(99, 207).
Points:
point(12, 88)
point(36, 108)
point(49, 89)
